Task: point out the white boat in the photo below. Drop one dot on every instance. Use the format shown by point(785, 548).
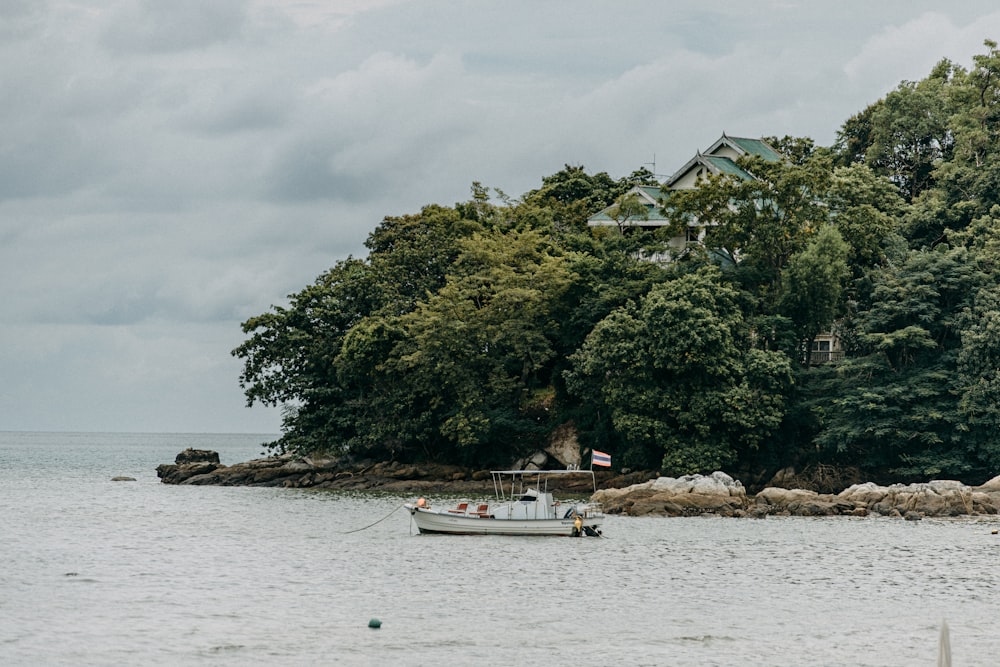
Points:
point(523, 506)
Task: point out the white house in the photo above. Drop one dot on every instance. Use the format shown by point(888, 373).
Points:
point(720, 158)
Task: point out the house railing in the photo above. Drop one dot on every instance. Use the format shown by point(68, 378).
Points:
point(825, 356)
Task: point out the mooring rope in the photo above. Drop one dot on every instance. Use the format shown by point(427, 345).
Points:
point(358, 530)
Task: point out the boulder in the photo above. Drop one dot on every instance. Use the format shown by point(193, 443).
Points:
point(866, 494)
point(564, 446)
point(935, 498)
point(196, 456)
point(181, 473)
point(992, 486)
point(717, 493)
point(783, 477)
point(716, 484)
point(537, 461)
point(290, 471)
point(800, 502)
point(779, 497)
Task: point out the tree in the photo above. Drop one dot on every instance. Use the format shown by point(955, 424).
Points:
point(979, 378)
point(759, 223)
point(896, 410)
point(291, 355)
point(679, 387)
point(813, 285)
point(411, 255)
point(288, 356)
point(970, 180)
point(855, 136)
point(471, 353)
point(866, 210)
point(573, 195)
point(910, 132)
point(628, 209)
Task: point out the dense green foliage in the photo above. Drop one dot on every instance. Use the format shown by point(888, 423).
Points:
point(470, 333)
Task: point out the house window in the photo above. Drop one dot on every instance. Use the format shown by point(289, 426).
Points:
point(822, 352)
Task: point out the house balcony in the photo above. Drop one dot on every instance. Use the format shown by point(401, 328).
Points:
point(818, 357)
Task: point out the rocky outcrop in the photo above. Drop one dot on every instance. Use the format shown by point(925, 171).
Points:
point(720, 494)
point(632, 494)
point(799, 502)
point(685, 496)
point(937, 498)
point(564, 446)
point(196, 456)
point(911, 501)
point(330, 473)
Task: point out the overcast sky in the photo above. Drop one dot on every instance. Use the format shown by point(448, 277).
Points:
point(168, 169)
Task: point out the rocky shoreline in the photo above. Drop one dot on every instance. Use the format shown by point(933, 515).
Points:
point(202, 468)
point(634, 494)
point(721, 495)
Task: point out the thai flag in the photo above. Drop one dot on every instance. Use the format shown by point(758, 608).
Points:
point(600, 459)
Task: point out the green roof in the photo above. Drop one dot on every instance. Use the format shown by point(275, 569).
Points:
point(756, 147)
point(653, 210)
point(726, 166)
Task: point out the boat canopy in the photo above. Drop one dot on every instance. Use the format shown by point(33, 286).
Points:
point(516, 481)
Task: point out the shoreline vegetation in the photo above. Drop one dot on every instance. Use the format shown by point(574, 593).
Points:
point(630, 494)
point(775, 305)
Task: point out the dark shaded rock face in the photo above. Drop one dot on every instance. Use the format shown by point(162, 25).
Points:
point(200, 467)
point(197, 456)
point(635, 494)
point(183, 473)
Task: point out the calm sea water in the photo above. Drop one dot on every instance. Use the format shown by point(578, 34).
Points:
point(95, 572)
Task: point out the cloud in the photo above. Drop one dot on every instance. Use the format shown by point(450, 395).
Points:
point(156, 378)
point(152, 26)
point(901, 52)
point(168, 169)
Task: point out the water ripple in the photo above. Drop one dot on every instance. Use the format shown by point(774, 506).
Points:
point(98, 573)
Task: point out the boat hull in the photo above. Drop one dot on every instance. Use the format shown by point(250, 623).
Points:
point(437, 521)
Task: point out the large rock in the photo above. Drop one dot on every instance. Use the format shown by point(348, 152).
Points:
point(799, 502)
point(323, 472)
point(564, 446)
point(866, 494)
point(196, 456)
point(937, 498)
point(183, 473)
point(992, 486)
point(720, 494)
point(717, 493)
point(716, 484)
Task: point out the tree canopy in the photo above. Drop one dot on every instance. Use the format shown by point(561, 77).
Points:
point(471, 333)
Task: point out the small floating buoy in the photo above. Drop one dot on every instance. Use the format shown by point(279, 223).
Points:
point(994, 532)
point(374, 623)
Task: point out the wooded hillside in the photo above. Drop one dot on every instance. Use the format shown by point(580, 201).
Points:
point(470, 332)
